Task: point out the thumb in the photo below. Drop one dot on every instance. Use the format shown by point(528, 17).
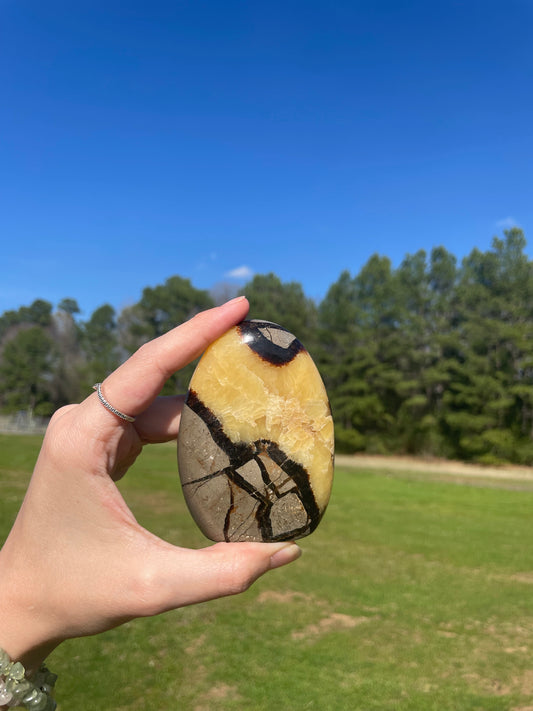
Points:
point(180, 576)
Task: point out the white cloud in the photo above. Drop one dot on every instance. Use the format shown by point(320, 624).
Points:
point(243, 272)
point(507, 223)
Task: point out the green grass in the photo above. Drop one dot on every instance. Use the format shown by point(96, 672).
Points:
point(413, 594)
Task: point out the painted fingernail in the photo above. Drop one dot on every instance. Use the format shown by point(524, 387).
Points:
point(285, 555)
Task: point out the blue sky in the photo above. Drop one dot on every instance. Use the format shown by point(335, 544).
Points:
point(217, 139)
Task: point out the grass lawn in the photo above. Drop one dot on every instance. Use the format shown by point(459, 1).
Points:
point(415, 592)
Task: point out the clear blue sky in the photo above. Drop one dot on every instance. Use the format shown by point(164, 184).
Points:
point(211, 138)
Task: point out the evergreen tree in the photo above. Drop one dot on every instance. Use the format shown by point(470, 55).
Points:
point(39, 313)
point(26, 371)
point(427, 358)
point(160, 309)
point(343, 363)
point(100, 345)
point(488, 403)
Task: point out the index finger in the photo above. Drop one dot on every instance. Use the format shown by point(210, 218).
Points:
point(137, 382)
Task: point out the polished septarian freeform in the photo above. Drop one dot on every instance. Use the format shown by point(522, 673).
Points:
point(255, 449)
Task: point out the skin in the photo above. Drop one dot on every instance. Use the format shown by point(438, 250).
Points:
point(76, 561)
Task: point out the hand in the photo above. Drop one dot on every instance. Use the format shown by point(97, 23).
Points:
point(76, 561)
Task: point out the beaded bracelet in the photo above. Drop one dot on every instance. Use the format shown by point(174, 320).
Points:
point(16, 690)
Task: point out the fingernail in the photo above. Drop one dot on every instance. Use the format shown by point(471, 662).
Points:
point(285, 555)
point(235, 300)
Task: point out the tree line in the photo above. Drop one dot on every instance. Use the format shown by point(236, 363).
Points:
point(432, 357)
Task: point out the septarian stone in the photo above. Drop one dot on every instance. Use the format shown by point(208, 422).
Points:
point(255, 448)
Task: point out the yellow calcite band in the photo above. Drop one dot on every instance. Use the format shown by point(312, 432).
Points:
point(254, 399)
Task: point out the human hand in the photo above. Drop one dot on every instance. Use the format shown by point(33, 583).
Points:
point(76, 561)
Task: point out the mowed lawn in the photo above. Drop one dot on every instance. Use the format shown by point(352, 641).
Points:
point(415, 592)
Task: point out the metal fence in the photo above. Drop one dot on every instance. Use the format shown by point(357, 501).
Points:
point(23, 423)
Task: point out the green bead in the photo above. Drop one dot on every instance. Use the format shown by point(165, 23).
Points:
point(18, 688)
point(30, 696)
point(17, 671)
point(5, 662)
point(38, 703)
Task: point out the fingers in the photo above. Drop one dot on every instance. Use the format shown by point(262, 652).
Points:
point(181, 577)
point(135, 384)
point(161, 420)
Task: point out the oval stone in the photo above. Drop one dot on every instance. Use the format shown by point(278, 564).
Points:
point(255, 445)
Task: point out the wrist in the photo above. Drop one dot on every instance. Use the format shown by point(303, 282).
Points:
point(24, 632)
point(24, 641)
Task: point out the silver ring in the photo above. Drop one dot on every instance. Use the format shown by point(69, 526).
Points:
point(98, 388)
